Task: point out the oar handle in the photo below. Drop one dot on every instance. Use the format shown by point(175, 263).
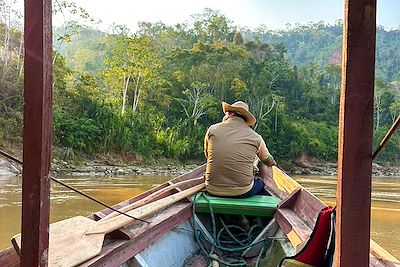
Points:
point(115, 223)
point(151, 197)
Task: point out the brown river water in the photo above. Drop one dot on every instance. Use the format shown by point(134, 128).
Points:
point(385, 224)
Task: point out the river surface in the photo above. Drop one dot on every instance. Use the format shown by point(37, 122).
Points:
point(385, 224)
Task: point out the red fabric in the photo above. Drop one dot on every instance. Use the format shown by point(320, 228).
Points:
point(314, 251)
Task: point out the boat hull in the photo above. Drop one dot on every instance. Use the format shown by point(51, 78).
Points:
point(155, 244)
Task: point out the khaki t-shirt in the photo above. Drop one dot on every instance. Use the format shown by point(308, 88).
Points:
point(231, 148)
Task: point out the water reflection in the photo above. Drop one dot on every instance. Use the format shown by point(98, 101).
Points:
point(385, 226)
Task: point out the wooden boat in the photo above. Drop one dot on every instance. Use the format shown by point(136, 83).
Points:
point(169, 238)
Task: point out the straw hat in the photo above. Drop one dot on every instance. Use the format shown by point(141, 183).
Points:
point(241, 108)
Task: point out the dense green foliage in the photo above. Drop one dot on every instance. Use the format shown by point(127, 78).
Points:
point(322, 43)
point(155, 92)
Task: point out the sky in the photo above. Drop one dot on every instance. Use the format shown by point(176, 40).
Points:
point(275, 14)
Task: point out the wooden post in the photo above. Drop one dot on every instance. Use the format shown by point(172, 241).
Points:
point(37, 132)
point(355, 134)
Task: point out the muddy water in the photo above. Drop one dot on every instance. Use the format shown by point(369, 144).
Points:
point(64, 203)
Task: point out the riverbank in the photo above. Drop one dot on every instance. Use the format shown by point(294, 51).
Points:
point(113, 166)
point(330, 169)
point(90, 167)
point(99, 168)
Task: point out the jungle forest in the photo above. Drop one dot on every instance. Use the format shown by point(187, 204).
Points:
point(154, 92)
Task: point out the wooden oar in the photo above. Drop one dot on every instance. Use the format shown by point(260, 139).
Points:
point(76, 240)
point(151, 197)
point(387, 137)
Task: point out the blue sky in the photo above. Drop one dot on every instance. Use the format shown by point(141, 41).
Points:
point(252, 13)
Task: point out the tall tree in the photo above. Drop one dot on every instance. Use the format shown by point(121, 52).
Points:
point(238, 39)
point(212, 25)
point(135, 61)
point(72, 17)
point(197, 101)
point(380, 89)
point(10, 19)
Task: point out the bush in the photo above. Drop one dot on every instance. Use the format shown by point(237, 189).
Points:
point(80, 134)
point(294, 138)
point(172, 144)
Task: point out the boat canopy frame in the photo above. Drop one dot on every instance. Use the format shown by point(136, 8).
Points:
point(355, 134)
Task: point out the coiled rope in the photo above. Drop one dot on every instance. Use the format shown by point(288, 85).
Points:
point(227, 247)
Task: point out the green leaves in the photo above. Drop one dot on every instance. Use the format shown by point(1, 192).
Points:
point(135, 63)
point(154, 92)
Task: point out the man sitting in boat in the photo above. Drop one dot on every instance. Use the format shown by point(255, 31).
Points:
point(231, 147)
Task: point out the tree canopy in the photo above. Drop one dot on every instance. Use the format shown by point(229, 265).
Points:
point(154, 92)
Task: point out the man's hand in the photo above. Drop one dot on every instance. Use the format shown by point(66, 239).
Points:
point(270, 163)
point(269, 160)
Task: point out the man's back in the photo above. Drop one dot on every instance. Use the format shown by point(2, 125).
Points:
point(231, 148)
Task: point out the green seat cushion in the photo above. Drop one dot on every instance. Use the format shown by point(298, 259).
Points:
point(263, 206)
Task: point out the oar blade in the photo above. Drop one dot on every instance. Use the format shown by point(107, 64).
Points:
point(68, 244)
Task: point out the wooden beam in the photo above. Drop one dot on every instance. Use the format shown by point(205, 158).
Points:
point(355, 134)
point(37, 132)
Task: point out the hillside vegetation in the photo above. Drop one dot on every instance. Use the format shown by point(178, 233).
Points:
point(154, 92)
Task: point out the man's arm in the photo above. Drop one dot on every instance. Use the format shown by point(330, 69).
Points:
point(264, 154)
point(206, 143)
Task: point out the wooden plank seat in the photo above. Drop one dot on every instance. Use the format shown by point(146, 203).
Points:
point(263, 206)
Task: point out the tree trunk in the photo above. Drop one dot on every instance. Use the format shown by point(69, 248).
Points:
point(262, 114)
point(20, 51)
point(136, 94)
point(6, 45)
point(124, 93)
point(378, 111)
point(276, 118)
